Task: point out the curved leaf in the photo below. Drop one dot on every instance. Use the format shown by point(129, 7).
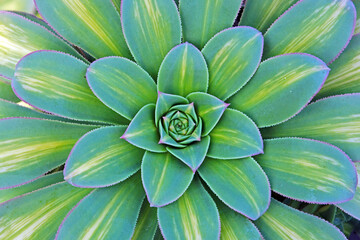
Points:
point(308, 170)
point(165, 178)
point(283, 222)
point(152, 28)
point(335, 120)
point(235, 136)
point(18, 5)
point(202, 19)
point(121, 85)
point(357, 26)
point(32, 147)
point(6, 91)
point(165, 102)
point(146, 223)
point(93, 25)
point(233, 56)
point(193, 216)
point(239, 183)
point(321, 28)
point(100, 158)
point(107, 213)
point(37, 215)
point(281, 87)
point(183, 71)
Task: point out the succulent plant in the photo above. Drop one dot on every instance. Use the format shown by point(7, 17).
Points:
point(213, 122)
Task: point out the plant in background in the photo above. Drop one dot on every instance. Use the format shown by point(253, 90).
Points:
point(166, 101)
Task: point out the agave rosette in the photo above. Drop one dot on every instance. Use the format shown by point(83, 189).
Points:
point(174, 103)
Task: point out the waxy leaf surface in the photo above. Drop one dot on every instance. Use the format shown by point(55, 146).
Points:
point(146, 224)
point(165, 102)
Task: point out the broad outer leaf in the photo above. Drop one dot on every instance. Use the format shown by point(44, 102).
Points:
point(233, 56)
point(193, 216)
point(152, 28)
point(283, 222)
point(209, 108)
point(202, 19)
point(321, 28)
point(7, 194)
point(239, 183)
point(142, 131)
point(37, 215)
point(32, 147)
point(165, 178)
point(260, 14)
point(19, 36)
point(335, 120)
point(280, 88)
point(55, 82)
point(183, 71)
point(165, 102)
point(93, 25)
point(146, 224)
point(100, 158)
point(107, 213)
point(121, 85)
point(344, 76)
point(352, 207)
point(6, 91)
point(308, 170)
point(235, 136)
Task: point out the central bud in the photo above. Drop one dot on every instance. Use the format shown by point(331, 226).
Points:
point(180, 126)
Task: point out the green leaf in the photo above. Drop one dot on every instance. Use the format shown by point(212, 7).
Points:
point(283, 222)
point(32, 147)
point(209, 108)
point(202, 19)
point(6, 91)
point(117, 4)
point(193, 216)
point(335, 120)
point(352, 207)
point(121, 84)
point(183, 71)
point(344, 76)
point(357, 26)
point(7, 194)
point(100, 158)
point(146, 223)
point(192, 155)
point(260, 14)
point(281, 87)
point(321, 28)
point(233, 57)
point(18, 5)
point(308, 170)
point(93, 25)
point(235, 136)
point(37, 215)
point(152, 28)
point(106, 213)
point(142, 131)
point(165, 102)
point(55, 82)
point(19, 37)
point(165, 178)
point(239, 183)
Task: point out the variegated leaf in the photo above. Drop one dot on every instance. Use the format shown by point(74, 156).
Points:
point(19, 37)
point(321, 28)
point(308, 170)
point(165, 178)
point(146, 223)
point(121, 85)
point(233, 56)
point(183, 71)
point(335, 120)
point(32, 147)
point(260, 14)
point(18, 5)
point(38, 215)
point(152, 28)
point(107, 213)
point(100, 158)
point(165, 102)
point(357, 6)
point(239, 183)
point(6, 91)
point(202, 19)
point(93, 25)
point(281, 222)
point(280, 88)
point(193, 216)
point(117, 4)
point(235, 136)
